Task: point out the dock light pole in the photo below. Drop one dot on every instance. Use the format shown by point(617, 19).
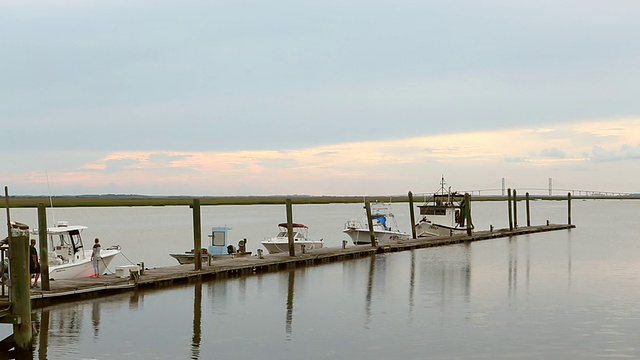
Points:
point(197, 236)
point(292, 249)
point(44, 247)
point(411, 214)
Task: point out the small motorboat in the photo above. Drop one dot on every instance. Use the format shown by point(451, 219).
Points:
point(384, 223)
point(218, 248)
point(280, 242)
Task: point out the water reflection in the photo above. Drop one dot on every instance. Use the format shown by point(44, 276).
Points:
point(289, 312)
point(412, 283)
point(95, 318)
point(197, 320)
point(513, 267)
point(62, 326)
point(447, 272)
point(44, 335)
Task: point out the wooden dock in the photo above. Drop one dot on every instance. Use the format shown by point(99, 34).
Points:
point(84, 288)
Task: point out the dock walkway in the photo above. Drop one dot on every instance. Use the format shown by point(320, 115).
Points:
point(69, 290)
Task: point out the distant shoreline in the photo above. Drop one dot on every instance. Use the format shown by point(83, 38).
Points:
point(139, 200)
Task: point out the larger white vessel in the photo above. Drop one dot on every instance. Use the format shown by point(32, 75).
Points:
point(442, 214)
point(68, 258)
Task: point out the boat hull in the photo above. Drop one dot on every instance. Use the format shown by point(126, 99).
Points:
point(429, 229)
point(187, 258)
point(274, 247)
point(81, 267)
point(362, 236)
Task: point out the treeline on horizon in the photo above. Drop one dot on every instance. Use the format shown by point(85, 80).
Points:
point(143, 200)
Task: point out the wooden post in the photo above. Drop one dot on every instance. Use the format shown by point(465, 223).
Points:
point(467, 203)
point(509, 202)
point(44, 247)
point(411, 214)
point(372, 235)
point(569, 207)
point(292, 249)
point(515, 209)
point(20, 297)
point(528, 210)
point(197, 236)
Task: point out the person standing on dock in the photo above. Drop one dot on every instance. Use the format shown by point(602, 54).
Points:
point(34, 264)
point(95, 257)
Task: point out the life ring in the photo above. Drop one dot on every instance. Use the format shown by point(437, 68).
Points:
point(241, 243)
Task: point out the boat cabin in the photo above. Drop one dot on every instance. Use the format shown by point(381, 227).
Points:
point(445, 209)
point(219, 240)
point(65, 243)
point(300, 231)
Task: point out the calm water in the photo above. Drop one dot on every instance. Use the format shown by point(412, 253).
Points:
point(559, 295)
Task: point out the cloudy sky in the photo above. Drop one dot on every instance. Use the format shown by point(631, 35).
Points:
point(318, 97)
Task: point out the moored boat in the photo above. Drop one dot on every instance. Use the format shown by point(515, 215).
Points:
point(218, 247)
point(442, 214)
point(385, 227)
point(280, 242)
point(68, 259)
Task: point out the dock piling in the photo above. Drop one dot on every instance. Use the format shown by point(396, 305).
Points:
point(467, 202)
point(372, 235)
point(197, 237)
point(528, 210)
point(292, 250)
point(569, 208)
point(412, 216)
point(515, 209)
point(44, 247)
point(509, 205)
point(20, 296)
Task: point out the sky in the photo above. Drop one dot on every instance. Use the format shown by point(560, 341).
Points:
point(349, 97)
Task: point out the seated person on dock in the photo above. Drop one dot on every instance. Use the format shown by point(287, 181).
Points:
point(242, 246)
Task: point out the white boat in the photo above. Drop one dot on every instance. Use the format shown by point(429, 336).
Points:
point(442, 214)
point(68, 258)
point(280, 242)
point(385, 227)
point(188, 257)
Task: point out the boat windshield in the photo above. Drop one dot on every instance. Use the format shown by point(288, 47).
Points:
point(68, 239)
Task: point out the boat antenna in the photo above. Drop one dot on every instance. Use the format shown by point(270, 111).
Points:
point(53, 215)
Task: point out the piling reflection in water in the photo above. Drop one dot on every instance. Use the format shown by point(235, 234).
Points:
point(290, 291)
point(513, 267)
point(95, 318)
point(447, 272)
point(44, 335)
point(197, 320)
